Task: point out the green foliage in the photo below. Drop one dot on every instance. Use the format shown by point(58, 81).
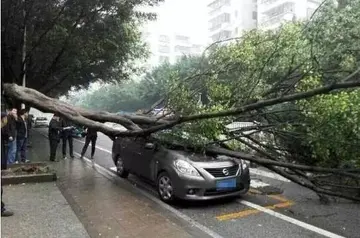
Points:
point(71, 43)
point(333, 125)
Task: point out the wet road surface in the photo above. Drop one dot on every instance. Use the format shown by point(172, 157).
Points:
point(295, 213)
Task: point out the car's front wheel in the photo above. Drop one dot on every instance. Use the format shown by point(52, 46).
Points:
point(165, 188)
point(120, 169)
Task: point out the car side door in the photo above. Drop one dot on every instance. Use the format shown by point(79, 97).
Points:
point(144, 153)
point(123, 147)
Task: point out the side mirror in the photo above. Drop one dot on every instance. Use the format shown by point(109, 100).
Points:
point(150, 146)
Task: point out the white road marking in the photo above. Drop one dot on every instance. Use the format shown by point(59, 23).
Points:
point(268, 174)
point(291, 220)
point(258, 184)
point(97, 147)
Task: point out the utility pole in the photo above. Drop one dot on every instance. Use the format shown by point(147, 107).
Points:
point(24, 52)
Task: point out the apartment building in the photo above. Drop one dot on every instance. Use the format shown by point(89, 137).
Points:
point(272, 13)
point(229, 18)
point(169, 47)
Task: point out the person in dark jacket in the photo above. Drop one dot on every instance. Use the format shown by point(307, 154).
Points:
point(29, 119)
point(4, 137)
point(67, 137)
point(22, 136)
point(4, 212)
point(55, 130)
point(91, 136)
point(11, 135)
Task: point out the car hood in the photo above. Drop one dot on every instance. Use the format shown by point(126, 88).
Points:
point(206, 161)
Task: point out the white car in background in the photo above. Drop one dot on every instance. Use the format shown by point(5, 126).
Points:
point(41, 122)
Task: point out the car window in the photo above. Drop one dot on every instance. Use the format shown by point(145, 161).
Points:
point(41, 119)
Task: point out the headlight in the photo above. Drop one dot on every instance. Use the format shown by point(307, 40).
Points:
point(244, 164)
point(186, 168)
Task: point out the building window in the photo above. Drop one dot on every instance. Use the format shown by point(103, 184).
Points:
point(254, 15)
point(222, 35)
point(218, 4)
point(182, 49)
point(182, 38)
point(164, 49)
point(164, 38)
point(280, 10)
point(219, 20)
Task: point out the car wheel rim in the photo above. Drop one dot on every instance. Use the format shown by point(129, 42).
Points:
point(120, 165)
point(165, 187)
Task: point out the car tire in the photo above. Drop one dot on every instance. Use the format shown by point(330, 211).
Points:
point(165, 188)
point(120, 169)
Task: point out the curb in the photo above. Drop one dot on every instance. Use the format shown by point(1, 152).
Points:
point(13, 178)
point(32, 178)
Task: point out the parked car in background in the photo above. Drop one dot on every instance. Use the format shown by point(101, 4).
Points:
point(178, 173)
point(41, 122)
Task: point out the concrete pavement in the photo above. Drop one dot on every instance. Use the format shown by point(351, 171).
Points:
point(40, 210)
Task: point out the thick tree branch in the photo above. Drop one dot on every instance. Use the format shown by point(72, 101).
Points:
point(48, 104)
point(255, 159)
point(39, 100)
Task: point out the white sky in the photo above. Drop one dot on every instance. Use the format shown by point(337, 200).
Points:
point(188, 17)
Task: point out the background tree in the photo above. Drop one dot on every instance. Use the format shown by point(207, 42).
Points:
point(70, 43)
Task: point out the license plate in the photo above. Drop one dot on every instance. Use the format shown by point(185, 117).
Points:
point(226, 184)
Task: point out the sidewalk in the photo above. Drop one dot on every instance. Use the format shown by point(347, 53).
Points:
point(40, 211)
point(105, 207)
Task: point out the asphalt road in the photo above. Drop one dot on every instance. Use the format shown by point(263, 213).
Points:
point(295, 213)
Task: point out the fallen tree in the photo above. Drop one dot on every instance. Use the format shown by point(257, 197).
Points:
point(132, 122)
point(142, 125)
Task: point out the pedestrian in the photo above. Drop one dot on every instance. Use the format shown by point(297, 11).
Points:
point(67, 137)
point(29, 119)
point(22, 136)
point(4, 137)
point(4, 212)
point(11, 133)
point(54, 135)
point(91, 136)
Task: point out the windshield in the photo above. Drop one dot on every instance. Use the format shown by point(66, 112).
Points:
point(41, 119)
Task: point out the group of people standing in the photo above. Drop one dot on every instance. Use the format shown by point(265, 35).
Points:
point(15, 128)
point(60, 128)
point(15, 131)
